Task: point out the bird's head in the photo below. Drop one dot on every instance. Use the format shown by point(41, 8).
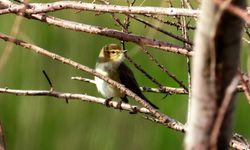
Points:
point(111, 53)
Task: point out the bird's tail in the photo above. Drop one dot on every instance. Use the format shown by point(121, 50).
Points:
point(153, 105)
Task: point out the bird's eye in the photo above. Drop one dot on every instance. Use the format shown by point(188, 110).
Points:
point(113, 52)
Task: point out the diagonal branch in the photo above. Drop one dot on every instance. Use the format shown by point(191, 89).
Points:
point(113, 33)
point(161, 30)
point(171, 75)
point(164, 119)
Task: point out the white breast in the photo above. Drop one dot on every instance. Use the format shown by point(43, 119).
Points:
point(103, 87)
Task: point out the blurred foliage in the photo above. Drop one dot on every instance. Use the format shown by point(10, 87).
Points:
point(38, 123)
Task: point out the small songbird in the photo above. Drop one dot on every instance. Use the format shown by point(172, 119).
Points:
point(110, 63)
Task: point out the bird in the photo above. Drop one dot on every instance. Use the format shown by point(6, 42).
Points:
point(110, 63)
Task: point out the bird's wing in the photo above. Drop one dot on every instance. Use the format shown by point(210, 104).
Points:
point(127, 78)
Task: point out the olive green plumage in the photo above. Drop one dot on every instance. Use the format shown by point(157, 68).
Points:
point(110, 64)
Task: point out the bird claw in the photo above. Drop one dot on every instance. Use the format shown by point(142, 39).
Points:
point(119, 105)
point(107, 101)
point(134, 110)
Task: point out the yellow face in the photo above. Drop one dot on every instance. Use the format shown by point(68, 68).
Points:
point(113, 52)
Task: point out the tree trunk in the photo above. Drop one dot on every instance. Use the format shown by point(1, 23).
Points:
point(214, 68)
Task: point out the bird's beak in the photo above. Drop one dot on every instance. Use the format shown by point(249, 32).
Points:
point(124, 51)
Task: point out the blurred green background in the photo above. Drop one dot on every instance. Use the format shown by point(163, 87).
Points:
point(38, 123)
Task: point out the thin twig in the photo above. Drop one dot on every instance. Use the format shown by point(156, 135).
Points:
point(151, 78)
point(167, 22)
point(153, 59)
point(185, 3)
point(244, 79)
point(49, 81)
point(188, 4)
point(239, 142)
point(246, 40)
point(247, 31)
point(161, 30)
point(240, 12)
point(125, 26)
point(162, 89)
point(83, 79)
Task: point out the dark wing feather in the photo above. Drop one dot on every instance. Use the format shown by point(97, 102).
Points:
point(127, 78)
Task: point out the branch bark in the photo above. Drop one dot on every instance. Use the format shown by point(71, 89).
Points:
point(73, 96)
point(214, 67)
point(55, 6)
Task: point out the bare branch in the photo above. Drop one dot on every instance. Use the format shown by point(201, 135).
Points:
point(162, 89)
point(161, 30)
point(82, 97)
point(169, 122)
point(234, 143)
point(185, 3)
point(167, 22)
point(244, 79)
point(109, 33)
point(239, 142)
point(143, 71)
point(113, 33)
point(236, 10)
point(171, 75)
point(49, 7)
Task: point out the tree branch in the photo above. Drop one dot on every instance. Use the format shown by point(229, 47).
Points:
point(164, 119)
point(50, 7)
point(162, 89)
point(141, 40)
point(244, 79)
point(235, 142)
point(82, 97)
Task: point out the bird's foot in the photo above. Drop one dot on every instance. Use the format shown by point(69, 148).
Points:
point(134, 110)
point(107, 101)
point(119, 105)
